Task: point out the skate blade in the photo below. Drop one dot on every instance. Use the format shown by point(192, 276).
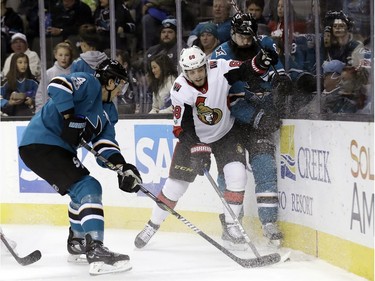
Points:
point(77, 259)
point(100, 268)
point(235, 247)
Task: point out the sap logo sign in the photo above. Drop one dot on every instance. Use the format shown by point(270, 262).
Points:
point(28, 180)
point(154, 150)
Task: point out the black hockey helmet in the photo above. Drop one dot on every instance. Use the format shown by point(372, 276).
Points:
point(110, 69)
point(244, 24)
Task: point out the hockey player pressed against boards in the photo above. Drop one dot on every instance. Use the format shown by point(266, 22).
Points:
point(258, 100)
point(203, 124)
point(81, 108)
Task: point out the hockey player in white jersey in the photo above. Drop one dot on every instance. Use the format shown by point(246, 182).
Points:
point(204, 125)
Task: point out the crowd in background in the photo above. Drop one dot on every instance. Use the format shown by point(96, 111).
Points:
point(77, 37)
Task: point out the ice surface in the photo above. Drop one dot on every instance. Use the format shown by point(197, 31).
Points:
point(168, 256)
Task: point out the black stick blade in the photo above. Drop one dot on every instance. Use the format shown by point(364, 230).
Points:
point(30, 258)
point(260, 261)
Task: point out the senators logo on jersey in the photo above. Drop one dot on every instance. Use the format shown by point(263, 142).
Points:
point(209, 116)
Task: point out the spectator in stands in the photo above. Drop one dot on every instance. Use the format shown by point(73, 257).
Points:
point(353, 86)
point(344, 90)
point(11, 23)
point(19, 88)
point(331, 87)
point(255, 8)
point(66, 17)
point(154, 13)
point(361, 12)
point(270, 9)
point(221, 18)
point(125, 25)
point(168, 42)
point(135, 7)
point(63, 53)
point(208, 39)
point(338, 41)
point(128, 100)
point(276, 25)
point(28, 9)
point(92, 54)
point(161, 81)
point(19, 45)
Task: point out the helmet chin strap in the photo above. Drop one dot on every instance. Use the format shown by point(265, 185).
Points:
point(109, 95)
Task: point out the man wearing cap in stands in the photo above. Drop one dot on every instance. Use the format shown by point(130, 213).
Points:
point(168, 42)
point(19, 45)
point(331, 100)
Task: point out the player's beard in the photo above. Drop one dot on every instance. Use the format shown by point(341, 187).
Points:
point(243, 53)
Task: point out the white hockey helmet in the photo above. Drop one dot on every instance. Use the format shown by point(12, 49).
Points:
point(192, 58)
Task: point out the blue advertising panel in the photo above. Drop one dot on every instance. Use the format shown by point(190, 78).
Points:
point(153, 151)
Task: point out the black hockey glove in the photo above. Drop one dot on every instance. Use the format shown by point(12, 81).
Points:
point(266, 122)
point(263, 60)
point(130, 179)
point(306, 83)
point(200, 158)
point(283, 84)
point(73, 129)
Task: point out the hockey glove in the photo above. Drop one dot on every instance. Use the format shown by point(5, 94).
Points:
point(282, 84)
point(266, 122)
point(130, 179)
point(306, 83)
point(73, 128)
point(263, 60)
point(200, 158)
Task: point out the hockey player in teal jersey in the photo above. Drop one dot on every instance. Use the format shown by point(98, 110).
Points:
point(258, 114)
point(81, 108)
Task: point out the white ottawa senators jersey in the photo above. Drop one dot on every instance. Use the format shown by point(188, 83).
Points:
point(211, 114)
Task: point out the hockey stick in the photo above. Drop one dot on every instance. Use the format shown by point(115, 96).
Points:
point(283, 258)
point(232, 214)
point(248, 263)
point(29, 259)
point(255, 38)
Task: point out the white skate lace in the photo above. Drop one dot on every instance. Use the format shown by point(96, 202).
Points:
point(147, 233)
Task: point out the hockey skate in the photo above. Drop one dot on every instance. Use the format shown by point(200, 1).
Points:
point(76, 249)
point(273, 234)
point(145, 235)
point(102, 260)
point(232, 236)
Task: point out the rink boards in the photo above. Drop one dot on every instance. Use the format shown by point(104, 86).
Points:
point(326, 187)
